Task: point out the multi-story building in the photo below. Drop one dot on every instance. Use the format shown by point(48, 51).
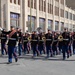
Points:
point(31, 14)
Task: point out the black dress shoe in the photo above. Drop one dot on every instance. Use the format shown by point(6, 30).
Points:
point(9, 62)
point(68, 56)
point(16, 59)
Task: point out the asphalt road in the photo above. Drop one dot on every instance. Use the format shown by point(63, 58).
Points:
point(38, 66)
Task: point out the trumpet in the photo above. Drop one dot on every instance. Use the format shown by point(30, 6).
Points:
point(43, 38)
point(60, 38)
point(29, 38)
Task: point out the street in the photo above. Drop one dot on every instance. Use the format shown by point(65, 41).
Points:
point(38, 66)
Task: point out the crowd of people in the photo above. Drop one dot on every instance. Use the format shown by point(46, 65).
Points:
point(14, 42)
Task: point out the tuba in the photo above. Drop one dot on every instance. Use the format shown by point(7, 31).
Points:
point(60, 38)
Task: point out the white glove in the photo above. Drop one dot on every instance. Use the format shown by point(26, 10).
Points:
point(16, 44)
point(1, 28)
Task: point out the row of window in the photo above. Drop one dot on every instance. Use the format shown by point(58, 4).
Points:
point(69, 15)
point(61, 1)
point(42, 7)
point(42, 24)
point(15, 1)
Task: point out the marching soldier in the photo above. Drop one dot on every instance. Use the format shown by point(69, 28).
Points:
point(20, 37)
point(42, 43)
point(34, 43)
point(70, 44)
point(60, 39)
point(3, 43)
point(11, 44)
point(65, 44)
point(25, 42)
point(49, 39)
point(55, 44)
point(73, 38)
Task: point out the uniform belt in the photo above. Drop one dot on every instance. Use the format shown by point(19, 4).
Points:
point(25, 40)
point(41, 40)
point(48, 39)
point(34, 40)
point(11, 39)
point(73, 39)
point(55, 40)
point(3, 38)
point(65, 39)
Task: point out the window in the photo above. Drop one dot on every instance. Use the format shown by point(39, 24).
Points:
point(62, 2)
point(57, 0)
point(56, 11)
point(62, 26)
point(14, 19)
point(42, 23)
point(32, 26)
point(50, 22)
point(61, 12)
point(34, 4)
point(18, 2)
point(66, 14)
point(15, 1)
point(11, 1)
point(70, 16)
point(28, 3)
point(56, 25)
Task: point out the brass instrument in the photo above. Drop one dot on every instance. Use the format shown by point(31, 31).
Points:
point(60, 38)
point(44, 39)
point(29, 38)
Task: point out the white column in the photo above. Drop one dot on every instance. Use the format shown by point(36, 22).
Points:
point(53, 15)
point(8, 14)
point(37, 14)
point(68, 19)
point(0, 13)
point(25, 15)
point(59, 17)
point(46, 16)
point(21, 15)
point(64, 12)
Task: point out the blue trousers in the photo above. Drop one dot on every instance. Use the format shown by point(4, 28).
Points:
point(25, 48)
point(73, 47)
point(35, 50)
point(65, 49)
point(3, 48)
point(41, 48)
point(49, 50)
point(54, 48)
point(20, 48)
point(70, 50)
point(11, 51)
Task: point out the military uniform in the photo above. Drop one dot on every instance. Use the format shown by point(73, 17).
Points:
point(70, 44)
point(41, 43)
point(65, 44)
point(20, 38)
point(60, 43)
point(54, 45)
point(49, 39)
point(3, 43)
point(11, 44)
point(34, 44)
point(25, 42)
point(73, 38)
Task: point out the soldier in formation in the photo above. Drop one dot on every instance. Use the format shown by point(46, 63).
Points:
point(50, 43)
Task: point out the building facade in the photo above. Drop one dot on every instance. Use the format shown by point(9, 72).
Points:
point(31, 14)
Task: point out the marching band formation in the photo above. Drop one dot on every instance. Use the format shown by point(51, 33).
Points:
point(51, 43)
